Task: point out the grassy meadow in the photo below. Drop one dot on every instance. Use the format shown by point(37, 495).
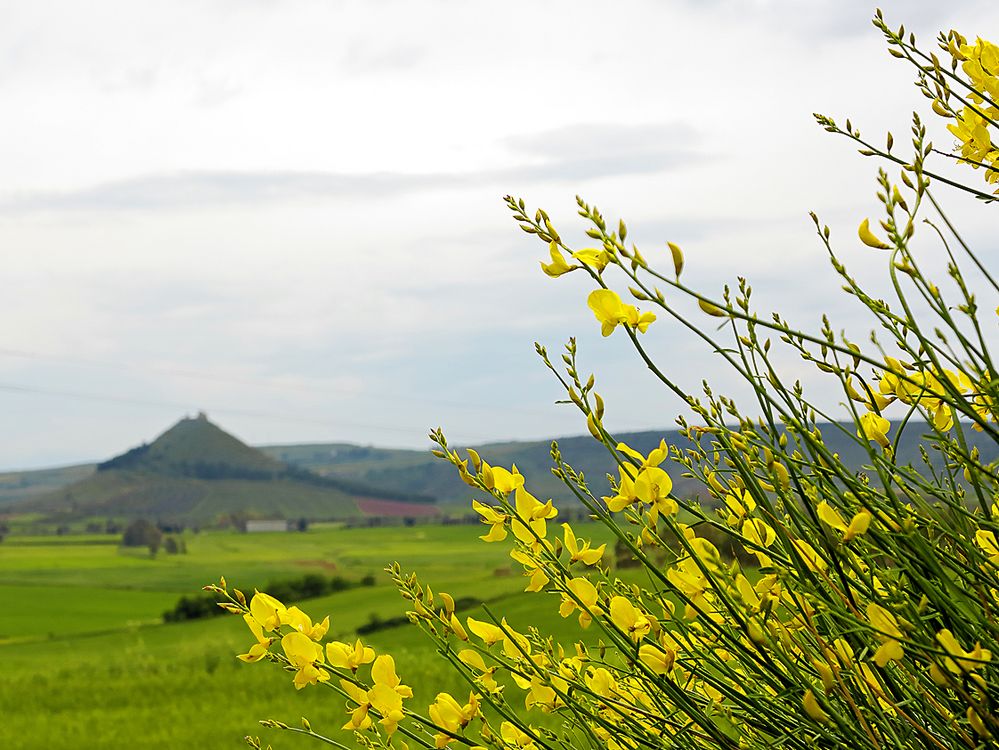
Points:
point(86, 661)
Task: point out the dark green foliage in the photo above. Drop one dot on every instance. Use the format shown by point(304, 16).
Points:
point(309, 586)
point(142, 533)
point(195, 607)
point(127, 460)
point(174, 546)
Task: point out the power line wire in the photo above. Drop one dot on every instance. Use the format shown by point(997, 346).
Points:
point(261, 382)
point(255, 413)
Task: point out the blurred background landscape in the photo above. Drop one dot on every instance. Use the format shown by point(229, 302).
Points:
point(254, 251)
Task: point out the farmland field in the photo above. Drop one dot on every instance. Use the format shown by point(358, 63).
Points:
point(85, 660)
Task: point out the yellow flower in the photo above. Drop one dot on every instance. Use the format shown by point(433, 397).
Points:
point(301, 622)
point(813, 709)
point(986, 541)
point(514, 737)
point(808, 554)
point(648, 483)
point(758, 532)
point(498, 478)
point(349, 657)
point(515, 645)
point(653, 485)
point(628, 618)
point(267, 611)
point(874, 427)
point(869, 398)
point(359, 719)
point(542, 696)
point(972, 130)
point(689, 580)
point(657, 658)
point(586, 594)
point(473, 659)
point(529, 525)
point(596, 259)
point(858, 524)
point(532, 568)
point(305, 655)
point(887, 631)
point(493, 516)
point(558, 266)
point(582, 554)
point(448, 714)
point(739, 507)
point(387, 693)
point(961, 661)
point(637, 320)
point(608, 309)
point(488, 632)
point(258, 649)
point(869, 238)
point(610, 312)
point(601, 682)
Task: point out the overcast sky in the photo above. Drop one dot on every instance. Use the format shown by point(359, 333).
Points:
point(289, 213)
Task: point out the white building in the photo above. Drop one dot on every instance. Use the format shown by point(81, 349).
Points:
point(266, 525)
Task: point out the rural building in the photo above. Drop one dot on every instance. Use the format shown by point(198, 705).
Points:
point(266, 525)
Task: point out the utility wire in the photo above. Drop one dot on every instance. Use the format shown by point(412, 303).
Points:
point(260, 382)
point(256, 413)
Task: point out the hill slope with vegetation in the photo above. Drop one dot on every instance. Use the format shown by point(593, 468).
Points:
point(196, 473)
point(173, 478)
point(419, 472)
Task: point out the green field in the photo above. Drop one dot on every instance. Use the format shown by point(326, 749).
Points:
point(86, 662)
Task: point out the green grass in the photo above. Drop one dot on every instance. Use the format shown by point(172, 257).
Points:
point(92, 610)
point(89, 670)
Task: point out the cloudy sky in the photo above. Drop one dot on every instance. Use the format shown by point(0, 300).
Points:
point(289, 213)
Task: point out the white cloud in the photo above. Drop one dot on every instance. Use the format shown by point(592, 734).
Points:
point(300, 202)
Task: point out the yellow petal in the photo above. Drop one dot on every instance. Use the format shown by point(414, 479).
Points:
point(868, 237)
point(813, 709)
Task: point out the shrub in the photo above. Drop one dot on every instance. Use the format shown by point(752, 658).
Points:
point(309, 586)
point(142, 533)
point(194, 608)
point(856, 609)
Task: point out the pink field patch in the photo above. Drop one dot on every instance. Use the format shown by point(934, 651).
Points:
point(372, 507)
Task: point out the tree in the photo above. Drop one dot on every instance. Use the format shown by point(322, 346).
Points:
point(142, 533)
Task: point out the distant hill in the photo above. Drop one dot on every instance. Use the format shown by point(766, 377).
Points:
point(197, 469)
point(197, 447)
point(419, 472)
point(197, 473)
point(20, 485)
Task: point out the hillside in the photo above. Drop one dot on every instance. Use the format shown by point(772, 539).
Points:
point(197, 468)
point(419, 472)
point(196, 473)
point(195, 447)
point(20, 485)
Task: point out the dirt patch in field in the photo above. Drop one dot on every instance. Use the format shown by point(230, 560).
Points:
point(324, 564)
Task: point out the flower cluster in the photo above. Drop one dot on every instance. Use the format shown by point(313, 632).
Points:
point(980, 63)
point(784, 595)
